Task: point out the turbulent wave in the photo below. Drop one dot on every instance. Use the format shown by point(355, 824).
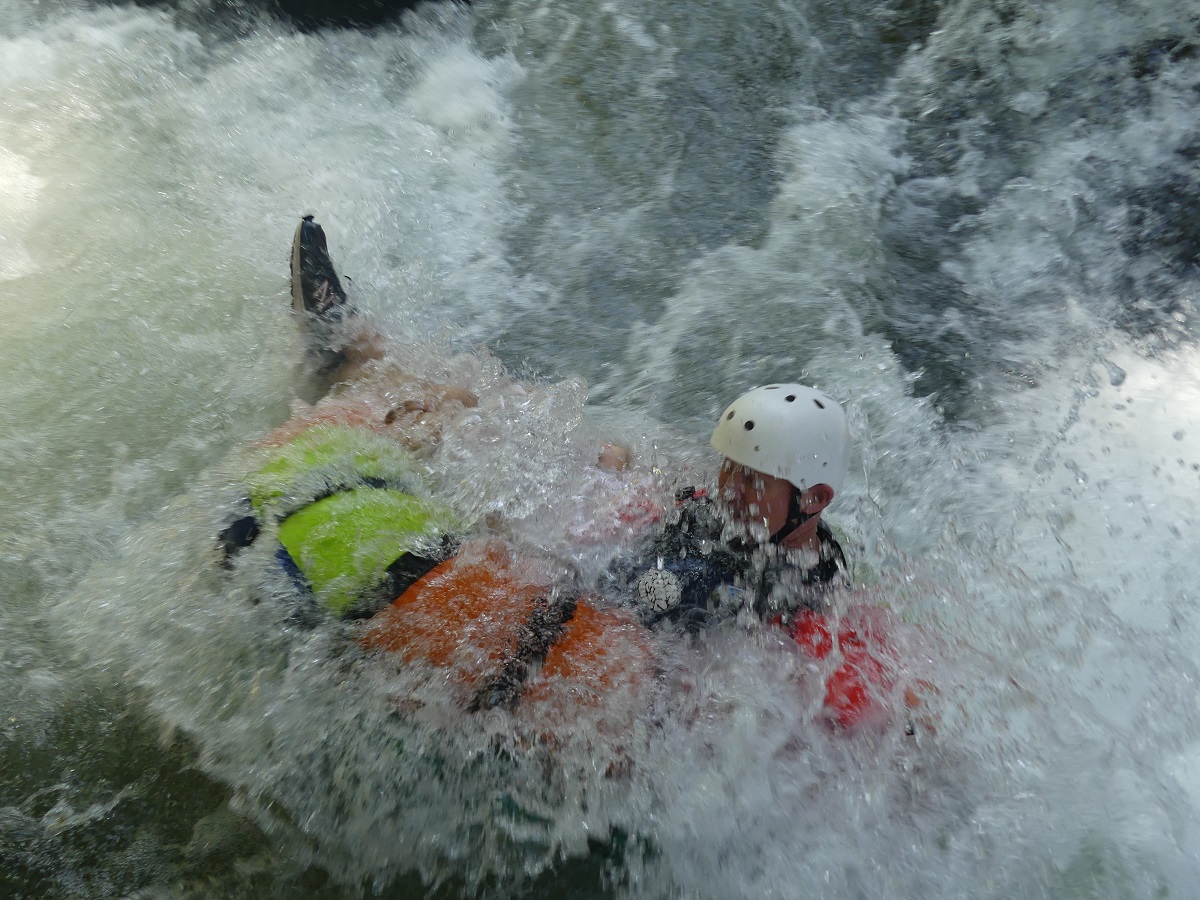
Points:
point(972, 222)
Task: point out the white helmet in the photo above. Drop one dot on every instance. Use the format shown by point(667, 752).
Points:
point(788, 431)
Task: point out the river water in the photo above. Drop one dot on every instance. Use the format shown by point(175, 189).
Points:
point(973, 222)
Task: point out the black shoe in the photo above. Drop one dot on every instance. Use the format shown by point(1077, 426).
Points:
point(318, 296)
point(315, 285)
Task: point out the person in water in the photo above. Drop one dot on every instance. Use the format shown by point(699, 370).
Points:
point(758, 550)
point(785, 449)
point(760, 546)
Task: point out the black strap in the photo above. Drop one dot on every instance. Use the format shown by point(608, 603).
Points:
point(543, 627)
point(410, 568)
point(403, 573)
point(795, 518)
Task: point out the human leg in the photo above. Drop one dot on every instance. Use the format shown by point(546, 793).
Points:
point(338, 345)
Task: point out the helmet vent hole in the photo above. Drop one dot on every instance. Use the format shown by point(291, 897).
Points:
point(730, 416)
point(790, 398)
point(749, 425)
point(820, 405)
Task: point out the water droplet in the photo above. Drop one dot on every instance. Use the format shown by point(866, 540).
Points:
point(1116, 375)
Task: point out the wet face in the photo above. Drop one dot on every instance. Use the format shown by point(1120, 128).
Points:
point(754, 498)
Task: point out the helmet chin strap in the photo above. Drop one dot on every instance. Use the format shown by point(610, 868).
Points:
point(795, 518)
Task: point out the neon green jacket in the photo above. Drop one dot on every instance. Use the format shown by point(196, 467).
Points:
point(346, 504)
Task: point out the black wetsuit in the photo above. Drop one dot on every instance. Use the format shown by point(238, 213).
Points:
point(696, 574)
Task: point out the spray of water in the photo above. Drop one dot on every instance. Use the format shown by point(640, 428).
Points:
point(963, 235)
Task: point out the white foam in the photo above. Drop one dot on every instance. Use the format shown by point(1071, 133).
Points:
point(151, 204)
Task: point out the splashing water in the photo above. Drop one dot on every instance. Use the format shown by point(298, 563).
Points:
point(972, 222)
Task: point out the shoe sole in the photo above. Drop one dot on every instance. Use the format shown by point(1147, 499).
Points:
point(315, 285)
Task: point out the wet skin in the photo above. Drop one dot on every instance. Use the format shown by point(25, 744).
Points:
point(755, 498)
